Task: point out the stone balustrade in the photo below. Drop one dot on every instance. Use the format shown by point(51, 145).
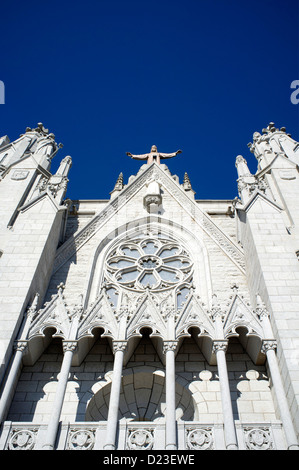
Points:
point(192, 436)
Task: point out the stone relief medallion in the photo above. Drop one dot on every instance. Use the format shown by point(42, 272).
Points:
point(199, 439)
point(258, 439)
point(19, 174)
point(81, 440)
point(22, 440)
point(140, 439)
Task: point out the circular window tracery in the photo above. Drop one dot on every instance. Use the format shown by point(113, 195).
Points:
point(157, 264)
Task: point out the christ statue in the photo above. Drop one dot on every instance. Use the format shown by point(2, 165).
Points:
point(154, 155)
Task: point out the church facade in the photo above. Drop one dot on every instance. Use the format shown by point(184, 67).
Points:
point(150, 320)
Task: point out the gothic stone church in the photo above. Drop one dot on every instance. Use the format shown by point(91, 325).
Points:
point(151, 319)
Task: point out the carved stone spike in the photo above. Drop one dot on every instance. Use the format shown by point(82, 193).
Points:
point(186, 183)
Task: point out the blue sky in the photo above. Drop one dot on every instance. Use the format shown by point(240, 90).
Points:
point(110, 77)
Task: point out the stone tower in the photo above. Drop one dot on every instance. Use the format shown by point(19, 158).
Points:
point(151, 320)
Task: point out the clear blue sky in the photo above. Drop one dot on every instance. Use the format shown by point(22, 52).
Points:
point(110, 77)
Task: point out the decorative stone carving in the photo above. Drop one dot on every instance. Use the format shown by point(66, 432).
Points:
point(154, 263)
point(118, 185)
point(140, 439)
point(169, 346)
point(199, 438)
point(153, 197)
point(56, 183)
point(216, 311)
point(74, 243)
point(186, 183)
point(54, 313)
point(69, 346)
point(287, 174)
point(22, 439)
point(42, 185)
point(21, 346)
point(119, 346)
point(220, 345)
point(19, 174)
point(258, 438)
point(81, 439)
point(261, 310)
point(32, 310)
point(267, 345)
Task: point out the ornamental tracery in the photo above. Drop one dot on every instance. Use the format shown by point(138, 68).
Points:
point(153, 263)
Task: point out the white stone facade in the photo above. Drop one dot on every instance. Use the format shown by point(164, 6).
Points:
point(151, 319)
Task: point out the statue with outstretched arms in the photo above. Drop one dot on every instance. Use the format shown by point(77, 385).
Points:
point(154, 155)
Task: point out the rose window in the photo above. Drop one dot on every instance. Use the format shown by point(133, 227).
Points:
point(153, 263)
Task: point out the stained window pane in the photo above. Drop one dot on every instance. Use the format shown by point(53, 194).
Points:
point(168, 252)
point(132, 252)
point(128, 276)
point(149, 248)
point(169, 276)
point(148, 279)
point(123, 263)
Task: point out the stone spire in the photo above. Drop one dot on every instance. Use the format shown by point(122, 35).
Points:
point(187, 186)
point(118, 186)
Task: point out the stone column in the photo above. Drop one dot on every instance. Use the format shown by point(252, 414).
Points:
point(268, 348)
point(220, 348)
point(21, 346)
point(69, 348)
point(119, 348)
point(170, 418)
point(7, 394)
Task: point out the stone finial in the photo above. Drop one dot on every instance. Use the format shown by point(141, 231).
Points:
point(33, 307)
point(261, 309)
point(118, 185)
point(186, 183)
point(119, 182)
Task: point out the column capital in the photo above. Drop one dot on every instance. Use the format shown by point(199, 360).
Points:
point(21, 345)
point(119, 345)
point(268, 344)
point(220, 345)
point(69, 346)
point(170, 345)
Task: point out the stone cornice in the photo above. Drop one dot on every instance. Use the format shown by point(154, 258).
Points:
point(268, 168)
point(256, 195)
point(190, 206)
